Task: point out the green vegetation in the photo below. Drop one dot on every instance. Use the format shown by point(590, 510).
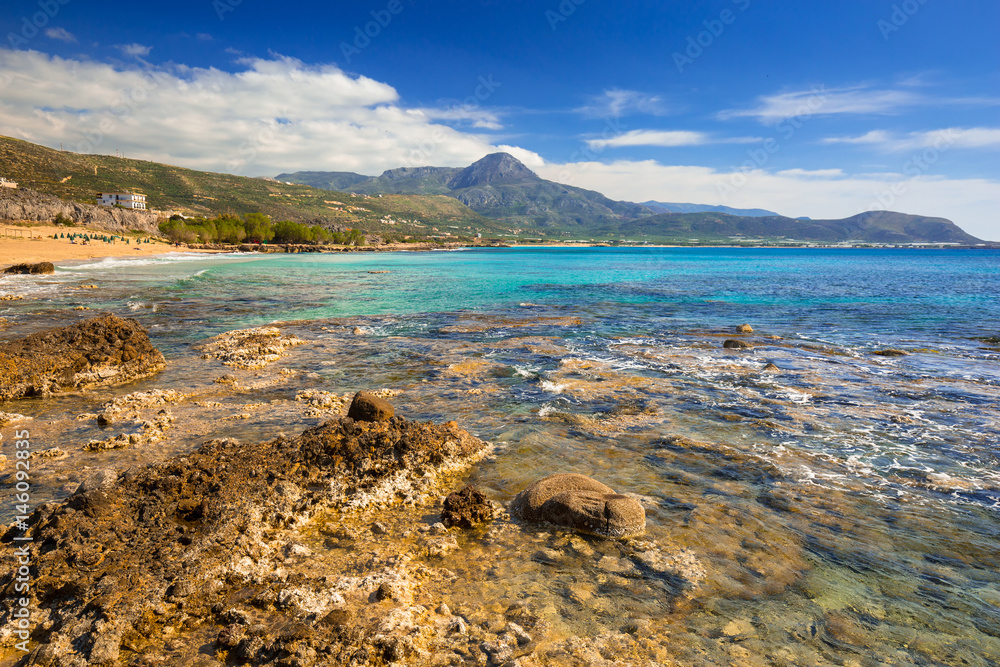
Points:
point(253, 228)
point(170, 189)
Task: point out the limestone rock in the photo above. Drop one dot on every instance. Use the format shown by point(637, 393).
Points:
point(367, 407)
point(200, 530)
point(101, 351)
point(744, 328)
point(34, 269)
point(581, 503)
point(467, 508)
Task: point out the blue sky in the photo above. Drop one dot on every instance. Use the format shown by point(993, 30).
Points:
point(819, 109)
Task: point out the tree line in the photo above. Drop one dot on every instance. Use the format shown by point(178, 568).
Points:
point(253, 228)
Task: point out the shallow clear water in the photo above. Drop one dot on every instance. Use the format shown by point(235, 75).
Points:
point(845, 507)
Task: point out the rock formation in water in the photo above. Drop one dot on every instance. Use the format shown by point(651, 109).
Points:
point(196, 542)
point(101, 351)
point(581, 503)
point(467, 508)
point(368, 407)
point(33, 269)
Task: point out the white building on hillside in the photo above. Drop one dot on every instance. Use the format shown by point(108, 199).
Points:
point(123, 199)
point(4, 183)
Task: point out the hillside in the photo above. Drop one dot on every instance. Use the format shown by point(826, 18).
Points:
point(170, 189)
point(501, 188)
point(871, 227)
point(670, 207)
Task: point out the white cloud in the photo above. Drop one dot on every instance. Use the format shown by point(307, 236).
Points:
point(61, 34)
point(138, 50)
point(476, 117)
point(652, 138)
point(952, 137)
point(665, 139)
point(272, 115)
point(811, 173)
point(203, 37)
point(819, 101)
point(616, 102)
point(970, 203)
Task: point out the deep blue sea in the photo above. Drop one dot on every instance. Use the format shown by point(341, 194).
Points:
point(844, 503)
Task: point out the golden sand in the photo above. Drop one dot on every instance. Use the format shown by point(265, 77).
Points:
point(22, 243)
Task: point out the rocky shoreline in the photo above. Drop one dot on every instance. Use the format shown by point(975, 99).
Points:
point(218, 556)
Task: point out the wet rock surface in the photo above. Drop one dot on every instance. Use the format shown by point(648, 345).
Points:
point(467, 508)
point(32, 269)
point(581, 503)
point(105, 350)
point(368, 407)
point(196, 542)
point(249, 348)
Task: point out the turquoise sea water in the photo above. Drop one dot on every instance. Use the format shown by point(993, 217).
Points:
point(845, 505)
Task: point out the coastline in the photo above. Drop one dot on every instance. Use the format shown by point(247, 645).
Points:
point(29, 244)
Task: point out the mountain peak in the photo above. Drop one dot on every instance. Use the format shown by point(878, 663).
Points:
point(494, 168)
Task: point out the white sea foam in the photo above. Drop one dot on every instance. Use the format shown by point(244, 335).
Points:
point(166, 258)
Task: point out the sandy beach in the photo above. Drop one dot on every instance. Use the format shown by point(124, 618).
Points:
point(23, 243)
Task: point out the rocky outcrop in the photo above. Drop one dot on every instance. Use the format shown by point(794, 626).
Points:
point(101, 351)
point(24, 204)
point(250, 348)
point(368, 407)
point(33, 269)
point(198, 541)
point(467, 508)
point(581, 503)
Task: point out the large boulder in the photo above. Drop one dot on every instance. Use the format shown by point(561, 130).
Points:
point(581, 503)
point(39, 268)
point(367, 407)
point(101, 351)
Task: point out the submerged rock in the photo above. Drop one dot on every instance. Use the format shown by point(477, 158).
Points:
point(367, 407)
point(467, 508)
point(98, 352)
point(733, 344)
point(891, 352)
point(130, 559)
point(581, 503)
point(39, 268)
